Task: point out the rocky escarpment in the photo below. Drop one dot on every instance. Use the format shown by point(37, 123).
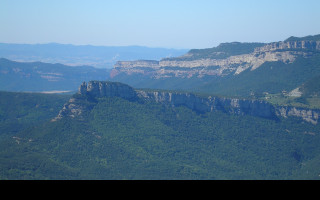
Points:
point(98, 89)
point(137, 63)
point(285, 52)
point(210, 104)
point(107, 89)
point(309, 115)
point(290, 45)
point(85, 98)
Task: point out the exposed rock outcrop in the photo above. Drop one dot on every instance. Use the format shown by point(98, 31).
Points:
point(73, 108)
point(137, 63)
point(285, 52)
point(107, 89)
point(94, 89)
point(97, 89)
point(201, 104)
point(290, 45)
point(309, 115)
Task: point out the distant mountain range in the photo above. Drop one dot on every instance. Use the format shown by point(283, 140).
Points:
point(96, 56)
point(45, 77)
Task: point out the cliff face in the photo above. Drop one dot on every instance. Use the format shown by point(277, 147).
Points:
point(107, 89)
point(94, 89)
point(309, 115)
point(289, 45)
point(73, 108)
point(137, 63)
point(285, 52)
point(210, 104)
point(97, 89)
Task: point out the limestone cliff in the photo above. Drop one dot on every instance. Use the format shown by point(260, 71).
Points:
point(309, 115)
point(210, 104)
point(137, 63)
point(73, 108)
point(79, 103)
point(290, 45)
point(107, 89)
point(98, 89)
point(285, 52)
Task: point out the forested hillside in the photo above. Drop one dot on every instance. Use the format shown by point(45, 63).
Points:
point(271, 77)
point(122, 139)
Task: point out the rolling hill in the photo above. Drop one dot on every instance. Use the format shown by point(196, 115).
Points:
point(44, 77)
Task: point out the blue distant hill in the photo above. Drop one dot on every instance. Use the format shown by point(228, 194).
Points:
point(96, 56)
point(46, 77)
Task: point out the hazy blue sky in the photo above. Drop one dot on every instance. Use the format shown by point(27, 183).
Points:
point(156, 23)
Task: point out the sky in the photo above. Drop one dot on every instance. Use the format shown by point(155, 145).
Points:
point(180, 24)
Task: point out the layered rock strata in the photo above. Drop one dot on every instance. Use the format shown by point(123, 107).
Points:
point(309, 115)
point(98, 89)
point(285, 52)
point(210, 104)
point(107, 89)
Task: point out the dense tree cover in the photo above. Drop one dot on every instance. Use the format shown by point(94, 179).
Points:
point(222, 51)
point(311, 87)
point(21, 110)
point(120, 139)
